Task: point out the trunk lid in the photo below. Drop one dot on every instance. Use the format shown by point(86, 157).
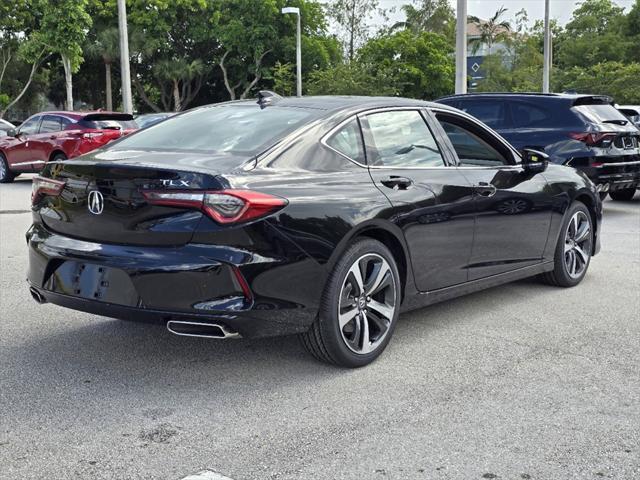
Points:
point(102, 198)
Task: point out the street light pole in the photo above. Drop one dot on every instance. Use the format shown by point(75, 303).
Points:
point(296, 11)
point(546, 68)
point(461, 47)
point(127, 102)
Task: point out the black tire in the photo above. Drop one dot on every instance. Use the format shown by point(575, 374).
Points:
point(58, 157)
point(623, 195)
point(561, 276)
point(6, 175)
point(326, 340)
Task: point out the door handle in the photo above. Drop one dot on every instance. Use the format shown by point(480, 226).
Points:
point(397, 183)
point(485, 189)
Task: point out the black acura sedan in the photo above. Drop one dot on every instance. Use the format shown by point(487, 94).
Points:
point(322, 216)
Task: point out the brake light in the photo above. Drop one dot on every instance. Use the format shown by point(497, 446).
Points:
point(594, 139)
point(224, 206)
point(41, 186)
point(92, 135)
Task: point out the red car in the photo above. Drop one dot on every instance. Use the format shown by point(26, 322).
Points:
point(51, 136)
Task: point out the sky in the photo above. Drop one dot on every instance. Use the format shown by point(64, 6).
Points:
point(561, 10)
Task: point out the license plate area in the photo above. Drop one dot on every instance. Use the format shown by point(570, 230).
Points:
point(93, 282)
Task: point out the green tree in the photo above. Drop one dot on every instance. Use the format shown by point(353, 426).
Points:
point(21, 53)
point(594, 34)
point(353, 18)
point(620, 81)
point(352, 78)
point(421, 65)
point(179, 80)
point(428, 16)
point(284, 79)
point(63, 31)
point(107, 48)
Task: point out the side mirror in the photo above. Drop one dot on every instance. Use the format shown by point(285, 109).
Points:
point(12, 132)
point(534, 160)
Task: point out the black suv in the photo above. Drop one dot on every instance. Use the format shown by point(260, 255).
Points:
point(582, 131)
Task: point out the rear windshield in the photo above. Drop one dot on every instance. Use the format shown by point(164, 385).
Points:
point(225, 128)
point(108, 124)
point(600, 113)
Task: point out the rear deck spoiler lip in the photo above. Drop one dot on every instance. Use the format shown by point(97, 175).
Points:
point(593, 100)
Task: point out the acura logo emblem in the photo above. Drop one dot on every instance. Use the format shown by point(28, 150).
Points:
point(96, 202)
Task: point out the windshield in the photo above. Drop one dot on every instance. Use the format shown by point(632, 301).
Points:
point(224, 128)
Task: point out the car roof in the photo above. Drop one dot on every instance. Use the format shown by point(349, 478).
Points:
point(77, 114)
point(573, 98)
point(335, 103)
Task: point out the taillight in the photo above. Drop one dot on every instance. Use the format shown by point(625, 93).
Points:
point(594, 139)
point(224, 206)
point(92, 135)
point(45, 186)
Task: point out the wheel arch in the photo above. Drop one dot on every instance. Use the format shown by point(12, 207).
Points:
point(55, 152)
point(589, 202)
point(391, 237)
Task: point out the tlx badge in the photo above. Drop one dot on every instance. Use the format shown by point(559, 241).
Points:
point(174, 183)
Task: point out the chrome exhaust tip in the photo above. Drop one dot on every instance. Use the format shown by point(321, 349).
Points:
point(200, 329)
point(37, 296)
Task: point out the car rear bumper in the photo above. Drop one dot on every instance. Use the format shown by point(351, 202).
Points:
point(615, 175)
point(195, 282)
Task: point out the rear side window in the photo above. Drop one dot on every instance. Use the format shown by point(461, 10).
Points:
point(401, 139)
point(491, 112)
point(348, 141)
point(527, 115)
point(50, 123)
point(226, 128)
point(600, 113)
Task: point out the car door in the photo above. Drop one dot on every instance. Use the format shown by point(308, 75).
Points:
point(19, 153)
point(43, 142)
point(513, 206)
point(432, 200)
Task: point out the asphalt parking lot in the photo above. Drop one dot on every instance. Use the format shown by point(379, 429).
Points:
point(523, 381)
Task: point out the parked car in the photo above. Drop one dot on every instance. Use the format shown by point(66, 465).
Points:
point(323, 216)
point(148, 119)
point(50, 136)
point(5, 127)
point(632, 112)
point(583, 131)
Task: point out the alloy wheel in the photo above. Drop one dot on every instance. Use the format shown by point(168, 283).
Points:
point(367, 303)
point(577, 244)
point(3, 169)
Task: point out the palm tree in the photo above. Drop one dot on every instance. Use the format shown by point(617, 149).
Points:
point(106, 47)
point(179, 73)
point(491, 31)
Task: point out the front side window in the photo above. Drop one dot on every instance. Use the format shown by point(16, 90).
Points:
point(348, 141)
point(470, 147)
point(239, 129)
point(50, 123)
point(30, 127)
point(401, 139)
